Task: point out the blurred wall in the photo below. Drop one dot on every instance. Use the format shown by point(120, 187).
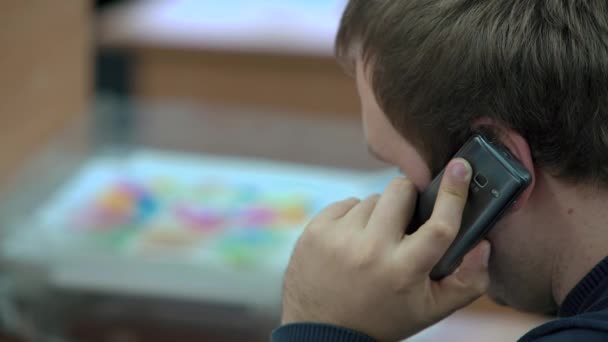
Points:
point(44, 73)
point(181, 51)
point(308, 84)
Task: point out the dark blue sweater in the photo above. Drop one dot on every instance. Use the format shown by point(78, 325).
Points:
point(583, 317)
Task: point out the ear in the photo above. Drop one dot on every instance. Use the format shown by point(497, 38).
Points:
point(519, 148)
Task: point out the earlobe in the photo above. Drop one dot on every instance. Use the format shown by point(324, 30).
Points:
point(519, 148)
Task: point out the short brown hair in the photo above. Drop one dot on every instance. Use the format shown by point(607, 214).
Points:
point(538, 67)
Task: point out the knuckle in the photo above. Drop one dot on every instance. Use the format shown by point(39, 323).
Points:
point(350, 201)
point(308, 237)
point(313, 228)
point(403, 282)
point(365, 257)
point(339, 242)
point(473, 291)
point(373, 198)
point(443, 231)
point(314, 232)
point(315, 223)
point(404, 275)
point(473, 288)
point(402, 287)
point(316, 240)
point(402, 185)
point(363, 261)
point(344, 204)
point(453, 191)
point(482, 285)
point(335, 210)
point(348, 204)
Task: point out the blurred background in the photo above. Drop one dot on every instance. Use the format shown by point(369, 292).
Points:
point(159, 158)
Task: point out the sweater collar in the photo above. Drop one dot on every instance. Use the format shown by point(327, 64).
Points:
point(585, 292)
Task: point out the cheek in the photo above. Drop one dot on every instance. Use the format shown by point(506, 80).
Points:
point(414, 167)
point(384, 138)
point(380, 134)
point(398, 152)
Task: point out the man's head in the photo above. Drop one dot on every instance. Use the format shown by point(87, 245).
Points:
point(535, 73)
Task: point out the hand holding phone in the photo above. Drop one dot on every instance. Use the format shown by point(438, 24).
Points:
point(498, 179)
point(353, 258)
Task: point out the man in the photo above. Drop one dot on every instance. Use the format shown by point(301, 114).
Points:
point(430, 73)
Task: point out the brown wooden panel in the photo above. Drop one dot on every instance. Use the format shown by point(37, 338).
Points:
point(293, 83)
point(45, 68)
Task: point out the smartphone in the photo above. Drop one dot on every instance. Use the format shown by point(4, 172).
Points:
point(498, 179)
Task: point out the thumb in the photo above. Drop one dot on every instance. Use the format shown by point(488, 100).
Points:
point(469, 281)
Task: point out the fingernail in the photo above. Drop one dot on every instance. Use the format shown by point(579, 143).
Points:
point(485, 255)
point(460, 170)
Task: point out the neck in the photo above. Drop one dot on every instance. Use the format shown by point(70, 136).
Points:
point(584, 243)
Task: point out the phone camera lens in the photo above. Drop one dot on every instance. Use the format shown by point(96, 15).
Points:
point(480, 180)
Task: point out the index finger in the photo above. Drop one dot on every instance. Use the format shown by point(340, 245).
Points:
point(437, 234)
point(394, 210)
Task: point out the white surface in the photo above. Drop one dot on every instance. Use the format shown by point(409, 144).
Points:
point(71, 263)
point(303, 27)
